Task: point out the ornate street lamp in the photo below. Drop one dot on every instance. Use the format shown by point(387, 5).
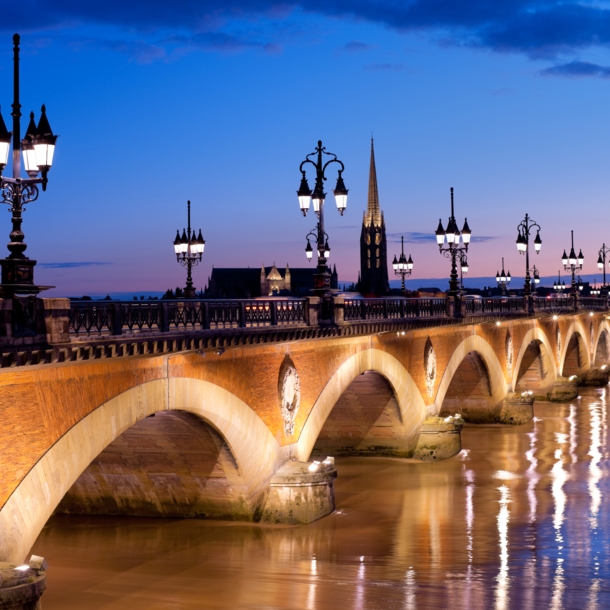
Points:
point(453, 250)
point(38, 146)
point(573, 264)
point(189, 250)
point(503, 279)
point(523, 245)
point(558, 286)
point(595, 290)
point(306, 197)
point(402, 266)
point(601, 263)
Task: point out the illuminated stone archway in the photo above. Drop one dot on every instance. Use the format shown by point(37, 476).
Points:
point(494, 371)
point(576, 336)
point(254, 448)
point(601, 349)
point(547, 362)
point(410, 402)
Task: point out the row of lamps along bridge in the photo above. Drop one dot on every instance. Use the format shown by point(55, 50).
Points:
point(37, 149)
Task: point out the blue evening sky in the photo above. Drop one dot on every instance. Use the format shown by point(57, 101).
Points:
point(219, 102)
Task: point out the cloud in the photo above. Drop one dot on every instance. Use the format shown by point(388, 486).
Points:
point(537, 28)
point(577, 69)
point(384, 67)
point(355, 46)
point(70, 265)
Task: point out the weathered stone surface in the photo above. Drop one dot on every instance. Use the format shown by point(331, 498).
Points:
point(439, 439)
point(169, 465)
point(516, 409)
point(595, 378)
point(297, 495)
point(563, 390)
point(365, 420)
point(21, 589)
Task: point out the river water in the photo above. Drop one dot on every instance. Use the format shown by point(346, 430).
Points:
point(520, 519)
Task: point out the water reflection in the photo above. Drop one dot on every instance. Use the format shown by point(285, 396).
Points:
point(519, 520)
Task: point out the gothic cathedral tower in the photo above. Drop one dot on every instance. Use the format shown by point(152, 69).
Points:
point(373, 246)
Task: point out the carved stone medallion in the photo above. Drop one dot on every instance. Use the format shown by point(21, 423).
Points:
point(289, 394)
point(509, 354)
point(430, 367)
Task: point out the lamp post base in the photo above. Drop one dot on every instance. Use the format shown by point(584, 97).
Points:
point(321, 283)
point(18, 278)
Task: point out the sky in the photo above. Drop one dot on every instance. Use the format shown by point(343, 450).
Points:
point(160, 102)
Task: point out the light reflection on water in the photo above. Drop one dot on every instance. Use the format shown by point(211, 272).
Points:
point(519, 520)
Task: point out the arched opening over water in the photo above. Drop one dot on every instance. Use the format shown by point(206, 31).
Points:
point(602, 351)
point(535, 368)
point(409, 400)
point(366, 420)
point(170, 464)
point(256, 452)
point(469, 392)
point(576, 356)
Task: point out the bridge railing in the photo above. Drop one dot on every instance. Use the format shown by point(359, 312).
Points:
point(118, 317)
point(489, 305)
point(103, 318)
point(388, 309)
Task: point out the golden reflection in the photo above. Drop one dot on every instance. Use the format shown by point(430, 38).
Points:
point(360, 586)
point(502, 599)
point(573, 434)
point(532, 473)
point(595, 472)
point(311, 592)
point(410, 588)
point(559, 476)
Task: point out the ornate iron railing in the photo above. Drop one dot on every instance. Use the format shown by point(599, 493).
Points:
point(378, 309)
point(102, 318)
point(119, 317)
point(491, 305)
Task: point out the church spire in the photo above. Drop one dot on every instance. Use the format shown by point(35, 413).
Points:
point(373, 213)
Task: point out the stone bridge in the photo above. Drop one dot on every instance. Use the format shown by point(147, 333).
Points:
point(220, 423)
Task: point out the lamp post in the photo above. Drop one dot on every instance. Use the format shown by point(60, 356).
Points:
point(402, 266)
point(306, 196)
point(453, 250)
point(595, 289)
point(503, 279)
point(573, 264)
point(558, 286)
point(189, 250)
point(523, 242)
point(38, 146)
point(601, 263)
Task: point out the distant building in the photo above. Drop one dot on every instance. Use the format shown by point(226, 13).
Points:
point(248, 283)
point(373, 279)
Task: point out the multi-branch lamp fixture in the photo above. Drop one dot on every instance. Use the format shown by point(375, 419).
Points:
point(523, 241)
point(189, 250)
point(317, 196)
point(36, 149)
point(573, 264)
point(402, 266)
point(453, 250)
point(559, 286)
point(601, 263)
point(503, 279)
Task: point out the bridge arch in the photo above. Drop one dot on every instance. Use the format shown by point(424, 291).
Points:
point(601, 349)
point(34, 500)
point(410, 402)
point(538, 337)
point(575, 354)
point(481, 348)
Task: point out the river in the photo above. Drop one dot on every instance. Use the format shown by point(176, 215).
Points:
point(519, 519)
